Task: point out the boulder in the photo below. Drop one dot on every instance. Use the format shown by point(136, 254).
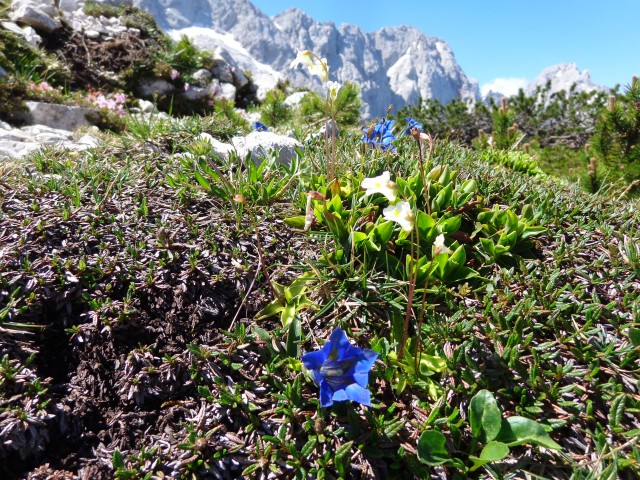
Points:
point(18, 142)
point(227, 91)
point(219, 148)
point(196, 94)
point(261, 145)
point(40, 16)
point(29, 34)
point(61, 117)
point(149, 87)
point(201, 77)
point(69, 6)
point(227, 70)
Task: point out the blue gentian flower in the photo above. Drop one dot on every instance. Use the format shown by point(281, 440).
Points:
point(260, 127)
point(411, 123)
point(341, 370)
point(381, 135)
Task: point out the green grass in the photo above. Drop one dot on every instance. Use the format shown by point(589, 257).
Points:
point(552, 333)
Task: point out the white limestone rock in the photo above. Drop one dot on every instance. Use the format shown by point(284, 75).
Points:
point(220, 149)
point(40, 15)
point(261, 145)
point(227, 91)
point(18, 142)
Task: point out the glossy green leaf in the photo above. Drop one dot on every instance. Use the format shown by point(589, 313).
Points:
point(484, 416)
point(431, 448)
point(520, 430)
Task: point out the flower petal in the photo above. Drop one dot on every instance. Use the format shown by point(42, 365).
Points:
point(339, 344)
point(340, 395)
point(326, 395)
point(358, 394)
point(314, 360)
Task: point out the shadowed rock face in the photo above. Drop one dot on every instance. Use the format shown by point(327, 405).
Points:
point(395, 65)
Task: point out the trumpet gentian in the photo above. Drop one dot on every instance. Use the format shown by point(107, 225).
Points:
point(381, 135)
point(341, 370)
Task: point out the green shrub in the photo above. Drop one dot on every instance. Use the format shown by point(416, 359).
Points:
point(313, 107)
point(616, 141)
point(274, 111)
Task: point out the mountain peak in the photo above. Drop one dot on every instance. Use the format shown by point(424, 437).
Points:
point(395, 65)
point(562, 77)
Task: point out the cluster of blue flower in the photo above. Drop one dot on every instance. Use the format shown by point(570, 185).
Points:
point(380, 135)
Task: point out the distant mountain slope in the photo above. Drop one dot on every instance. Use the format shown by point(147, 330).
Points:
point(395, 65)
point(562, 76)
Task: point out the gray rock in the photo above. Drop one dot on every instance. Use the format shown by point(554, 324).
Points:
point(196, 94)
point(294, 99)
point(92, 34)
point(227, 91)
point(29, 34)
point(261, 145)
point(3, 72)
point(17, 142)
point(146, 106)
point(61, 117)
point(150, 87)
point(69, 6)
point(35, 16)
point(201, 77)
point(323, 132)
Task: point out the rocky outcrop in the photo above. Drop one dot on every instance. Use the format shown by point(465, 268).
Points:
point(17, 142)
point(61, 117)
point(393, 66)
point(562, 77)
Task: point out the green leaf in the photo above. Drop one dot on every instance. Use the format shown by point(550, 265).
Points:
point(117, 460)
point(293, 337)
point(484, 416)
point(492, 452)
point(634, 336)
point(450, 225)
point(271, 310)
point(432, 363)
point(431, 448)
point(308, 447)
point(202, 181)
point(520, 430)
point(296, 222)
point(383, 232)
point(287, 314)
point(488, 246)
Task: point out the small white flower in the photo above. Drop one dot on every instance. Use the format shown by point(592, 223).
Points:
point(380, 184)
point(401, 213)
point(316, 66)
point(334, 88)
point(304, 56)
point(439, 247)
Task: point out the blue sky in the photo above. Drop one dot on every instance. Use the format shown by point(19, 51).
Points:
point(512, 40)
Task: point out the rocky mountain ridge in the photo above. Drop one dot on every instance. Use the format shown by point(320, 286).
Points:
point(396, 65)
